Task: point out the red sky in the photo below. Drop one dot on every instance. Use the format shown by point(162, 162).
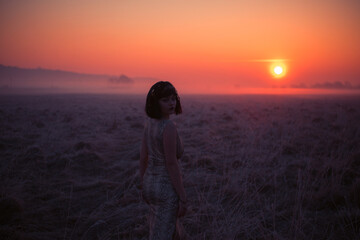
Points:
point(199, 46)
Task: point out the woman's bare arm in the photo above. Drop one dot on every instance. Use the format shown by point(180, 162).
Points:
point(179, 147)
point(169, 139)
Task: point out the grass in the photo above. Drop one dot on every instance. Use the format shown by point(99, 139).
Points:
point(253, 168)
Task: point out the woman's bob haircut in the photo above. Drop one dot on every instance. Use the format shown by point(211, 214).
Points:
point(160, 90)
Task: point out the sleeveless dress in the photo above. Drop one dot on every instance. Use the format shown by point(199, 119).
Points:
point(157, 187)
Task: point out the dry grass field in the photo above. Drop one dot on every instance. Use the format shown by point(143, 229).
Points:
point(254, 167)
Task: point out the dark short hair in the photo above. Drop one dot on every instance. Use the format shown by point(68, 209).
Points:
point(159, 90)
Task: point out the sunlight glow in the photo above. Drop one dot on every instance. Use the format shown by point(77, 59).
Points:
point(278, 70)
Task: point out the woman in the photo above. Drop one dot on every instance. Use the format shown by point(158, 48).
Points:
point(160, 174)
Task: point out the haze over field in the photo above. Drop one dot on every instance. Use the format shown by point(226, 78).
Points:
point(20, 80)
point(37, 81)
point(201, 47)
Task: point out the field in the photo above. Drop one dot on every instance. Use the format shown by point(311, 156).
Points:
point(254, 167)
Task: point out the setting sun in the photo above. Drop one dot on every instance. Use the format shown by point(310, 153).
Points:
point(278, 70)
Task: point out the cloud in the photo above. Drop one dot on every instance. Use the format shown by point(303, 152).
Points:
point(335, 85)
point(327, 85)
point(299, 85)
point(324, 85)
point(121, 79)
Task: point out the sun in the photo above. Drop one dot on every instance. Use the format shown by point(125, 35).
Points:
point(278, 70)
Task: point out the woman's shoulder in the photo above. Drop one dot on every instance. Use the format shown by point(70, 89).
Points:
point(163, 123)
point(169, 129)
point(169, 125)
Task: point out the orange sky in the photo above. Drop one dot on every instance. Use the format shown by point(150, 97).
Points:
point(200, 46)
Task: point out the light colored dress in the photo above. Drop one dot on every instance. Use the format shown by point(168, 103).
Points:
point(157, 187)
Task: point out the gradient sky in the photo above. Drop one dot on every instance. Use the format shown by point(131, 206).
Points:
point(200, 46)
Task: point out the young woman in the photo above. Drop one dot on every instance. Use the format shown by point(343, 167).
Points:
point(160, 174)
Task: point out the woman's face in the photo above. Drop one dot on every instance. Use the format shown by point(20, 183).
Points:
point(167, 105)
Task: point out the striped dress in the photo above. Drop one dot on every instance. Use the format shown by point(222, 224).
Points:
point(157, 187)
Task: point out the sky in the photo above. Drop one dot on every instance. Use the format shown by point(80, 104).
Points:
point(200, 46)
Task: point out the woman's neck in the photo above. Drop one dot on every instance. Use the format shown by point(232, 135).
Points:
point(165, 117)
